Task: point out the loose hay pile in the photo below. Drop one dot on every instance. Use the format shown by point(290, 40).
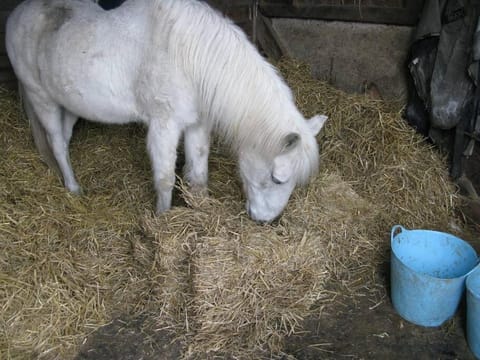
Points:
point(225, 284)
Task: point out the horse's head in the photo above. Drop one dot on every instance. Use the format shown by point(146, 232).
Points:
point(269, 181)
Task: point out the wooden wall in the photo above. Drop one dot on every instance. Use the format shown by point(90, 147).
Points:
point(237, 10)
point(403, 12)
point(395, 12)
point(7, 78)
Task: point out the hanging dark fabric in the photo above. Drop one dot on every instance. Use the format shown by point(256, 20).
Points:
point(442, 102)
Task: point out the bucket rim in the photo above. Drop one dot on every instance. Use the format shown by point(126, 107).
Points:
point(402, 229)
point(475, 294)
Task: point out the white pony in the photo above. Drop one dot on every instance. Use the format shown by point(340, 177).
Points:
point(177, 66)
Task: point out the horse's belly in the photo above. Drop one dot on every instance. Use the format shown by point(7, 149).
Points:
point(90, 68)
point(97, 101)
point(94, 86)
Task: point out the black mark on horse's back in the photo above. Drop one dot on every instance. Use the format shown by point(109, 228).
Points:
point(57, 16)
point(110, 4)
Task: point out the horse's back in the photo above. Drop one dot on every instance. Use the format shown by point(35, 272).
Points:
point(81, 56)
point(32, 28)
point(35, 19)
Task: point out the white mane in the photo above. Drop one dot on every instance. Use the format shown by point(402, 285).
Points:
point(233, 81)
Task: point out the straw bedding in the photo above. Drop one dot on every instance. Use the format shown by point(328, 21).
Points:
point(225, 285)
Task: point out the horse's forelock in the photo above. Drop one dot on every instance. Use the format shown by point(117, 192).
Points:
point(309, 159)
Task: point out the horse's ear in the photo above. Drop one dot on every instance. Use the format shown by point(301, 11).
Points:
point(290, 141)
point(316, 123)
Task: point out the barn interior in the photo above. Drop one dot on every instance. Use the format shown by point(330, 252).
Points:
point(101, 277)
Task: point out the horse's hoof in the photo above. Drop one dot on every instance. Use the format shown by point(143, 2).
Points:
point(78, 191)
point(75, 189)
point(161, 207)
point(198, 191)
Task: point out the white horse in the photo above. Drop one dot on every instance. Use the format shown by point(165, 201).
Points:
point(177, 66)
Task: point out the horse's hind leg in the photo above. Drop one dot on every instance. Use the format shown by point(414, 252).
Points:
point(38, 132)
point(69, 121)
point(50, 117)
point(197, 145)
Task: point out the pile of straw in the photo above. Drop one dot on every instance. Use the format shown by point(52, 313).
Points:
point(226, 285)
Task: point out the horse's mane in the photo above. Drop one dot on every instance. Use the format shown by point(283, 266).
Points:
point(235, 84)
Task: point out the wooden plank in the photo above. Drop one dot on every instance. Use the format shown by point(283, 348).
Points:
point(5, 62)
point(10, 85)
point(406, 13)
point(238, 14)
point(3, 18)
point(3, 50)
point(358, 3)
point(224, 4)
point(267, 39)
point(235, 11)
point(9, 4)
point(239, 11)
point(7, 75)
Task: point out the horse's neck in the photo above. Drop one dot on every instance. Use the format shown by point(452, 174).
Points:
point(238, 91)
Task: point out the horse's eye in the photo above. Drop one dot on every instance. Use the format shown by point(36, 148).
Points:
point(276, 181)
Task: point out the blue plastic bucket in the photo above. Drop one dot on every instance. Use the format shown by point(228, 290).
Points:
point(428, 271)
point(473, 311)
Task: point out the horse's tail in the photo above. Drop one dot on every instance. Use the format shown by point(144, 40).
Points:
point(38, 132)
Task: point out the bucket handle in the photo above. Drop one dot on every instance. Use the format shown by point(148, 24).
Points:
point(397, 229)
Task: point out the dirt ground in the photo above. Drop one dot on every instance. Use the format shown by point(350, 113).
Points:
point(352, 328)
point(349, 331)
point(363, 330)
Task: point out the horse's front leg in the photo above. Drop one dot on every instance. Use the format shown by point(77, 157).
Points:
point(197, 145)
point(162, 141)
